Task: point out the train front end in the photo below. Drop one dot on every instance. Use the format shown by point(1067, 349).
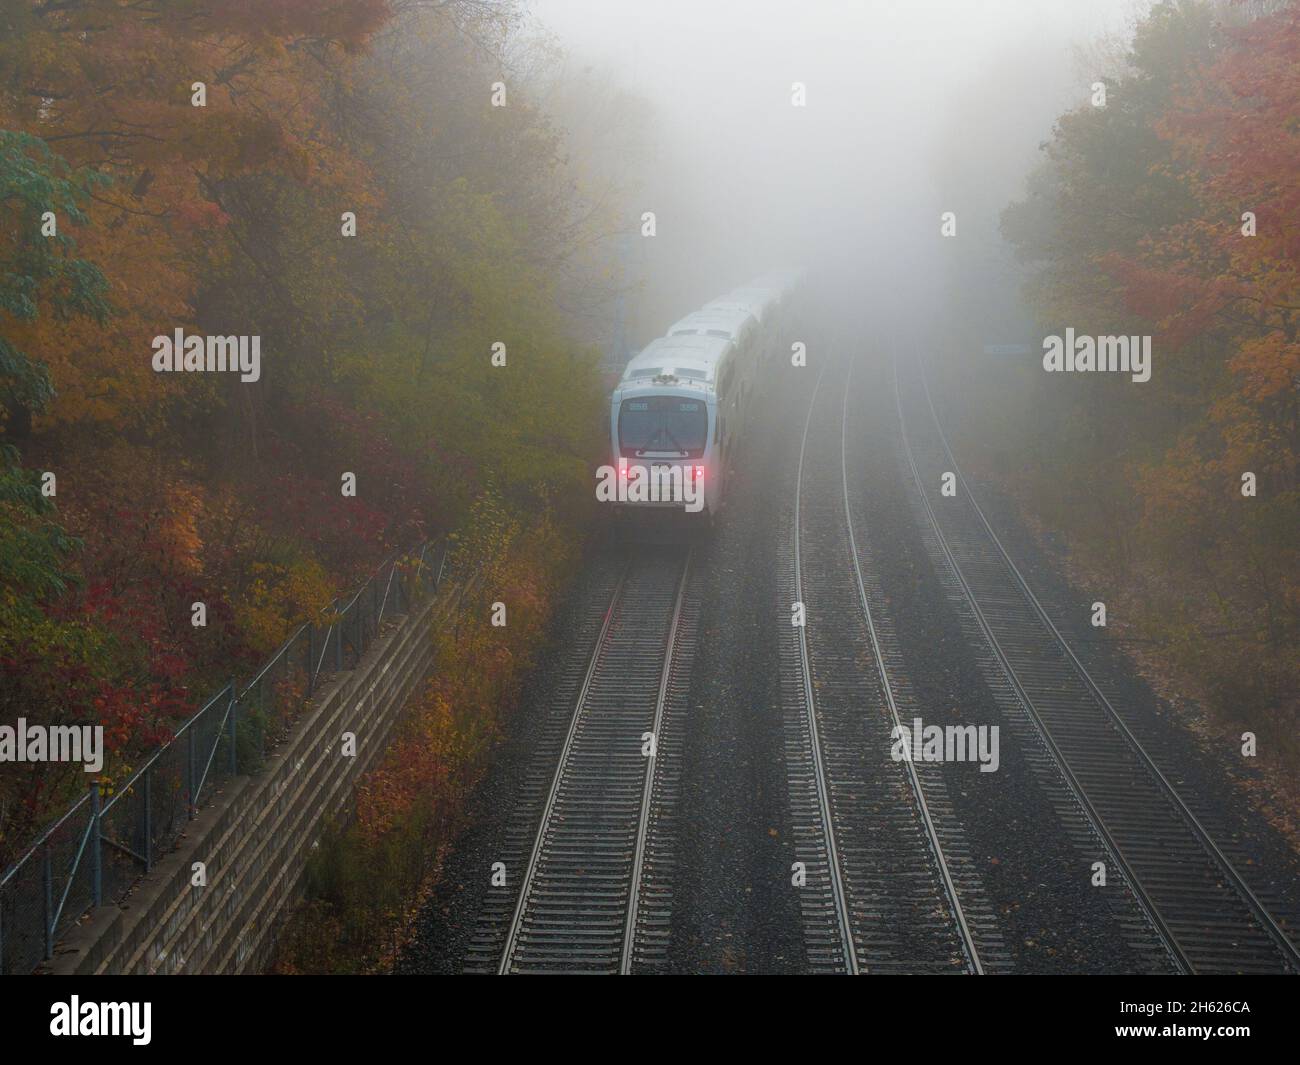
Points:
point(661, 432)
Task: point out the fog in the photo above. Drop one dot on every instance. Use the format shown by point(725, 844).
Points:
point(912, 109)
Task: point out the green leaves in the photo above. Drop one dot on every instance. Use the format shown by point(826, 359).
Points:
point(39, 269)
point(33, 549)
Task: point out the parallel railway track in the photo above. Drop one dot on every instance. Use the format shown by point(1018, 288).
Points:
point(885, 875)
point(1202, 909)
point(595, 888)
point(889, 884)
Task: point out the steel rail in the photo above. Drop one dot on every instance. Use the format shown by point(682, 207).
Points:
point(516, 922)
point(819, 771)
point(1266, 920)
point(643, 825)
point(959, 916)
point(1076, 787)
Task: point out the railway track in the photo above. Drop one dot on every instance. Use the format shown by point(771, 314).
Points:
point(594, 894)
point(1203, 911)
point(884, 877)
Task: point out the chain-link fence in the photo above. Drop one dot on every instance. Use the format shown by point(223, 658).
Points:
point(108, 839)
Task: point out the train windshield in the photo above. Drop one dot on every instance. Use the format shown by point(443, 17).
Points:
point(663, 425)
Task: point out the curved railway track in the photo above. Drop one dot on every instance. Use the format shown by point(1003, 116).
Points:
point(881, 895)
point(1207, 916)
point(595, 895)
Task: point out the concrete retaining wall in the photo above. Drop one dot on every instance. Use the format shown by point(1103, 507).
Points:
point(255, 836)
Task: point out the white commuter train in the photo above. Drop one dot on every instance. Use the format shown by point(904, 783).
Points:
point(683, 404)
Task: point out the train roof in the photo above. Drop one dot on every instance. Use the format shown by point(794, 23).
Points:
point(751, 301)
point(726, 322)
point(686, 357)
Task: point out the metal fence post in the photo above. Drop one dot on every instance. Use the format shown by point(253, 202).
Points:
point(148, 819)
point(96, 853)
point(189, 772)
point(47, 874)
point(311, 659)
point(234, 735)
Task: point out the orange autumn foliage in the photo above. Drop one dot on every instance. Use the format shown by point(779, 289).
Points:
point(1187, 488)
point(368, 874)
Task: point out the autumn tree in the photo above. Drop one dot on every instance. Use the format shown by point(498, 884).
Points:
point(1173, 211)
point(334, 179)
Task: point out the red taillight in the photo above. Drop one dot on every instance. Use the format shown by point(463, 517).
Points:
point(699, 473)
